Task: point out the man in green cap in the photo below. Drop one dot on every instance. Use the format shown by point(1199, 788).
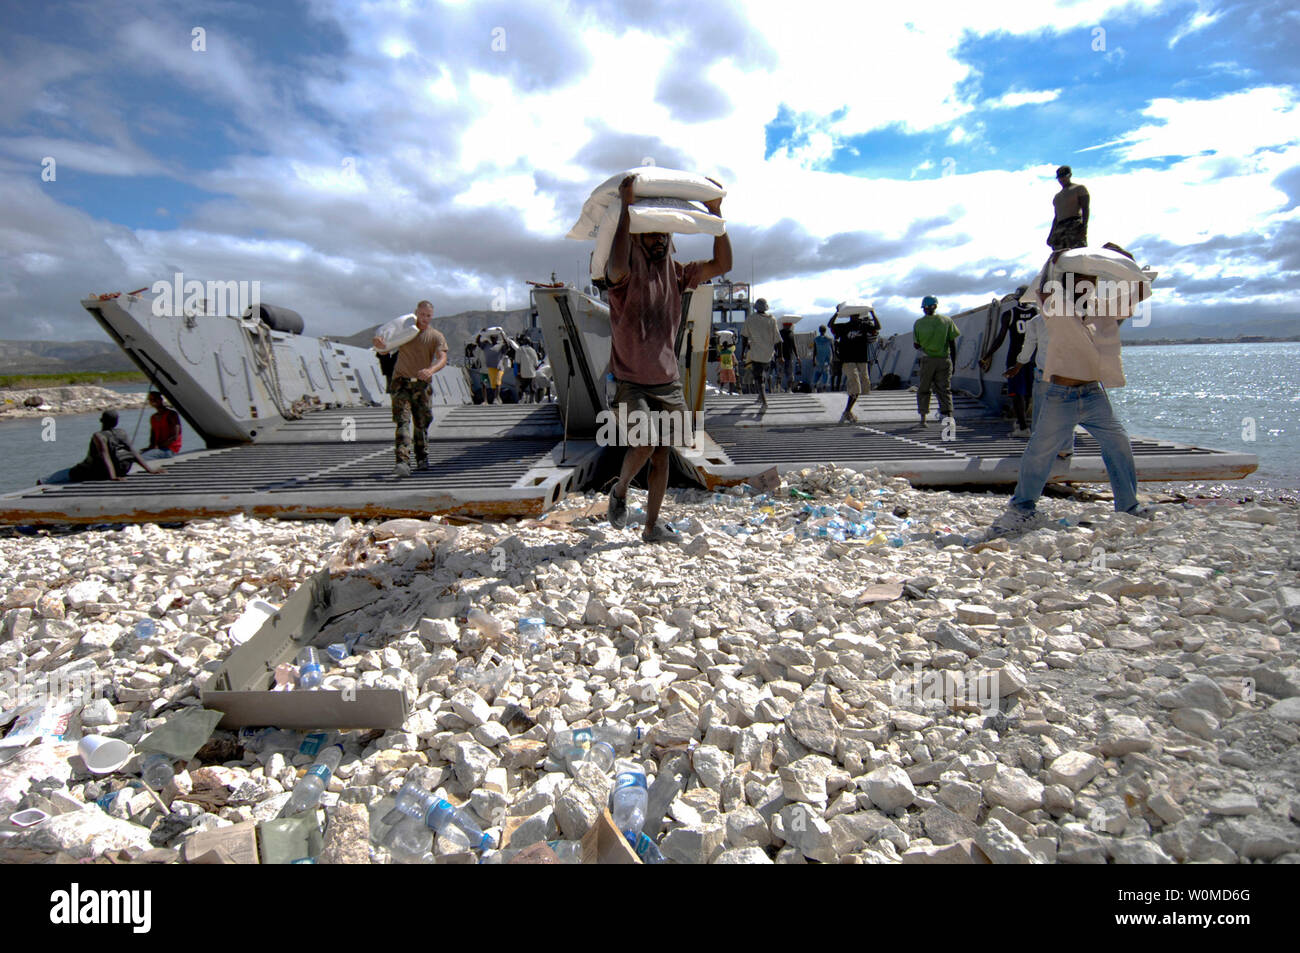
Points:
point(935, 336)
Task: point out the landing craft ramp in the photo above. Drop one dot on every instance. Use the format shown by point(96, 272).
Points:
point(498, 460)
point(802, 430)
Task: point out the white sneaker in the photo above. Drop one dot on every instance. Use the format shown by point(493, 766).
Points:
point(1012, 520)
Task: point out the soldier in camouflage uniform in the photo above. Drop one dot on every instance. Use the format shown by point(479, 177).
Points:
point(417, 361)
point(412, 413)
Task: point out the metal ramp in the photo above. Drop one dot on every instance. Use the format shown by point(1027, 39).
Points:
point(801, 430)
point(490, 460)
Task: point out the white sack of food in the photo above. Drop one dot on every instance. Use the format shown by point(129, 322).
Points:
point(854, 307)
point(397, 332)
point(675, 216)
point(651, 182)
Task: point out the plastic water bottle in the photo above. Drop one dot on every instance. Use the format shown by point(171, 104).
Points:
point(312, 743)
point(310, 670)
point(611, 390)
point(268, 739)
point(309, 789)
point(600, 753)
point(442, 817)
point(645, 848)
point(569, 851)
point(338, 651)
point(532, 629)
point(156, 771)
point(618, 736)
point(629, 798)
point(144, 630)
point(485, 623)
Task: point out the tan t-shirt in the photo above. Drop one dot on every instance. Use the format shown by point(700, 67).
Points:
point(1066, 202)
point(419, 353)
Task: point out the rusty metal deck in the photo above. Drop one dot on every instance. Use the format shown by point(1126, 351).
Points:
point(801, 430)
point(498, 460)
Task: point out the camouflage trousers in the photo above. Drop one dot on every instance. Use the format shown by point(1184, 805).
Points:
point(412, 413)
point(1070, 233)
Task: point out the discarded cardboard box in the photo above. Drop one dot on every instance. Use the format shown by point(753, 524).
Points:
point(226, 845)
point(241, 688)
point(604, 844)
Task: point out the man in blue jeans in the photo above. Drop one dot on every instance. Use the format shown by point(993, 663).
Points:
point(1083, 357)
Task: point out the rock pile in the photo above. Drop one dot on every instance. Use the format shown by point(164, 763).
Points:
point(69, 399)
point(1100, 689)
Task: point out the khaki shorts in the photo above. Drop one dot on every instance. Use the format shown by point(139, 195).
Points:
point(652, 415)
point(857, 378)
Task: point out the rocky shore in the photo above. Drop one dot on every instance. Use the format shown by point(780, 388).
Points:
point(72, 399)
point(1101, 689)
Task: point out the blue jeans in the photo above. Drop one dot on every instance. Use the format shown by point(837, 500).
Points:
point(58, 476)
point(821, 375)
point(1062, 408)
point(157, 453)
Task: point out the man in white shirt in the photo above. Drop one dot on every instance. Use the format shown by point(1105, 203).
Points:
point(527, 359)
point(761, 335)
point(1082, 359)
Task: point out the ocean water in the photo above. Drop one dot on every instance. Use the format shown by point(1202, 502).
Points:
point(31, 448)
point(1238, 397)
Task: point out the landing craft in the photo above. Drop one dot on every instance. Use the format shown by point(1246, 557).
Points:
point(299, 426)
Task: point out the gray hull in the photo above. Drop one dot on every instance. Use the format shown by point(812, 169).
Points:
point(236, 380)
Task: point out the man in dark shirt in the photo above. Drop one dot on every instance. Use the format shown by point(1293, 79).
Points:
point(789, 350)
point(645, 309)
point(854, 338)
point(1015, 318)
point(109, 456)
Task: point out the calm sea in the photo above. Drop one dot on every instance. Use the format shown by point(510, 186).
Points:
point(1241, 397)
point(28, 453)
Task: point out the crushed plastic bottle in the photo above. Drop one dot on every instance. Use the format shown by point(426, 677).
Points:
point(338, 651)
point(644, 847)
point(599, 753)
point(618, 736)
point(268, 739)
point(569, 851)
point(311, 786)
point(156, 771)
point(486, 624)
point(442, 817)
point(144, 630)
point(310, 670)
point(487, 680)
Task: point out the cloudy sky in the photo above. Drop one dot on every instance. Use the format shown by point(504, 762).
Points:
point(356, 155)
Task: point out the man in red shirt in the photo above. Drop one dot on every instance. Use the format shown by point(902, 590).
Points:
point(645, 310)
point(164, 430)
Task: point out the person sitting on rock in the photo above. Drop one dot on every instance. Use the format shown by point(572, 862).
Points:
point(109, 456)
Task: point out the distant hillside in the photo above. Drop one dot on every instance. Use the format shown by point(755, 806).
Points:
point(54, 357)
point(50, 357)
point(1285, 327)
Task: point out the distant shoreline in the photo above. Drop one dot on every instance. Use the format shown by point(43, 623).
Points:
point(1243, 339)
